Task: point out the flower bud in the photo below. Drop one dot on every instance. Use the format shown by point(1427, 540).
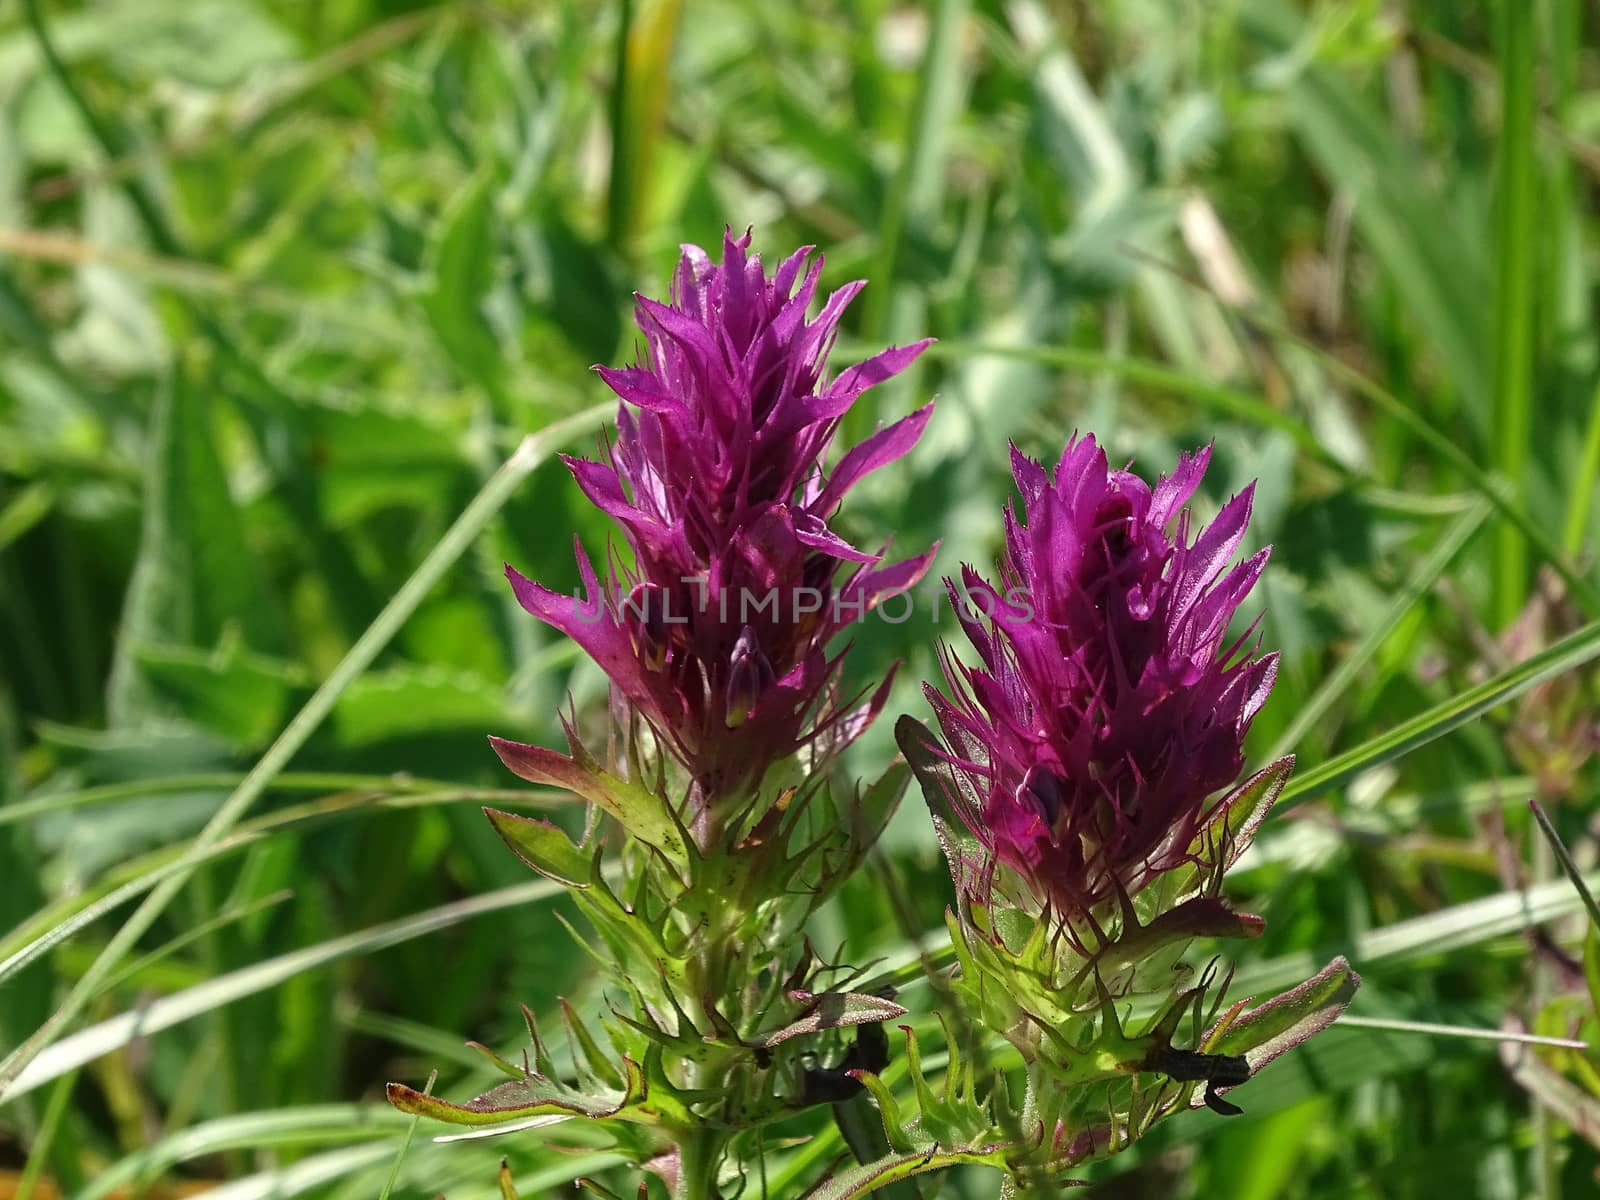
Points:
point(749, 677)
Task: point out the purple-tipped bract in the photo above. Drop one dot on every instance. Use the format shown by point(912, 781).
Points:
point(717, 633)
point(1107, 707)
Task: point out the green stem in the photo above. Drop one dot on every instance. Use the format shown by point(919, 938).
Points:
point(1021, 1186)
point(55, 1115)
point(699, 1153)
point(1514, 357)
point(1583, 484)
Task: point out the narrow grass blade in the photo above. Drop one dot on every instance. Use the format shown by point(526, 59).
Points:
point(416, 1037)
point(1564, 857)
point(89, 1044)
point(1571, 651)
point(306, 1175)
point(639, 95)
point(1514, 309)
point(222, 920)
point(1459, 1031)
point(915, 194)
point(1584, 484)
point(405, 1143)
point(55, 1111)
point(287, 781)
point(478, 513)
point(1427, 574)
point(297, 1127)
point(1451, 929)
point(63, 917)
point(26, 948)
point(1157, 377)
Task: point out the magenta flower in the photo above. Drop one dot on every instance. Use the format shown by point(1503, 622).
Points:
point(717, 634)
point(1107, 710)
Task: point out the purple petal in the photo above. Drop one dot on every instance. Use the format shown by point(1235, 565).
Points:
point(870, 586)
point(692, 336)
point(842, 393)
point(1215, 546)
point(819, 333)
point(600, 484)
point(789, 270)
point(546, 767)
point(1174, 490)
point(811, 532)
point(590, 623)
point(882, 448)
point(1032, 482)
point(640, 388)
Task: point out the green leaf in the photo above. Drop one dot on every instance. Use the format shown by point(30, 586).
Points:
point(229, 691)
point(543, 846)
point(831, 1010)
point(1262, 1033)
point(371, 459)
point(412, 700)
point(941, 785)
point(1217, 848)
point(867, 1178)
point(1571, 651)
point(645, 815)
point(530, 1097)
point(874, 809)
point(462, 260)
point(195, 580)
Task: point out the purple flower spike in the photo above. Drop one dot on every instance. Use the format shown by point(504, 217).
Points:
point(717, 635)
point(735, 409)
point(1107, 708)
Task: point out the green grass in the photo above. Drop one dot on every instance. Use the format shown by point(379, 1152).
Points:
point(285, 289)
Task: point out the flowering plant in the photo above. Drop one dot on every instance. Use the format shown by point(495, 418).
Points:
point(1083, 790)
point(1082, 785)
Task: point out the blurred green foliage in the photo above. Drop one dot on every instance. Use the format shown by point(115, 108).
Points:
point(281, 284)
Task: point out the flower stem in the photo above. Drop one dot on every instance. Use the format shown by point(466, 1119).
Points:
point(1021, 1186)
point(699, 1154)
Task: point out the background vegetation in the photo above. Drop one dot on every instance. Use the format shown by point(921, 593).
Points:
point(282, 284)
